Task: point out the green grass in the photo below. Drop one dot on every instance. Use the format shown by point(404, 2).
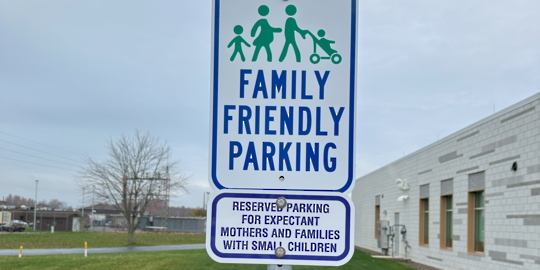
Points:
point(186, 259)
point(94, 239)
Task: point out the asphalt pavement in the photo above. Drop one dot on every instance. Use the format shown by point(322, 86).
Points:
point(53, 251)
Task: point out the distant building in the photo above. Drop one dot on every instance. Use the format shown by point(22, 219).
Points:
point(63, 221)
point(102, 208)
point(473, 198)
point(104, 215)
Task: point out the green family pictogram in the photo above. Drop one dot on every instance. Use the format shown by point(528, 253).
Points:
point(266, 37)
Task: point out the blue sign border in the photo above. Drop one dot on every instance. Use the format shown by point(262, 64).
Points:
point(351, 102)
point(276, 196)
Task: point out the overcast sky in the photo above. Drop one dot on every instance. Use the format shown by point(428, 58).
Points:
point(74, 74)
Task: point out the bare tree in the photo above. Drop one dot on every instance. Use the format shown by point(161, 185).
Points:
point(43, 203)
point(132, 176)
point(20, 201)
point(56, 204)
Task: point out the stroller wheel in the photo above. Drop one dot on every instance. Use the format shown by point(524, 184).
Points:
point(314, 58)
point(336, 58)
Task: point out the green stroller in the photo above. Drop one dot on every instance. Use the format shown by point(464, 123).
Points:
point(324, 43)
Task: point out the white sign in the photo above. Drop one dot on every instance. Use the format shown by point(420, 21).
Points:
point(313, 228)
point(283, 95)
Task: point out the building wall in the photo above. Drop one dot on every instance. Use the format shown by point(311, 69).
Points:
point(512, 198)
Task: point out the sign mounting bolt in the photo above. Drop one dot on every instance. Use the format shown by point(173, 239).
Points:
point(280, 252)
point(281, 202)
point(282, 178)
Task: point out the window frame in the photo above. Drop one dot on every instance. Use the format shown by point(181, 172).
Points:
point(471, 223)
point(443, 221)
point(423, 222)
point(377, 218)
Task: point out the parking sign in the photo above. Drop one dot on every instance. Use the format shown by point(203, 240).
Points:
point(283, 95)
point(310, 228)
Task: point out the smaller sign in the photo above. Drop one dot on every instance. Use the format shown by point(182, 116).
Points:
point(290, 228)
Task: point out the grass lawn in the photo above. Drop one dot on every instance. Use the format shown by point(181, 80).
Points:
point(186, 259)
point(94, 239)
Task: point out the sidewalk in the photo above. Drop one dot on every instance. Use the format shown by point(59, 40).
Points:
point(15, 252)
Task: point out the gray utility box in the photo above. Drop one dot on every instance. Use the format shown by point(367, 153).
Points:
point(383, 227)
point(5, 217)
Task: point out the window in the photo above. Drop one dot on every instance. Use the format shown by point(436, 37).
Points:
point(479, 221)
point(424, 222)
point(475, 228)
point(377, 217)
point(446, 222)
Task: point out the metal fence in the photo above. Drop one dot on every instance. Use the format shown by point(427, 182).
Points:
point(185, 224)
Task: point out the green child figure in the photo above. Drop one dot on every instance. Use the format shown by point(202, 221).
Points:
point(237, 41)
point(325, 43)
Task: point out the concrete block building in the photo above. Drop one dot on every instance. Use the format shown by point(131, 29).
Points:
point(473, 198)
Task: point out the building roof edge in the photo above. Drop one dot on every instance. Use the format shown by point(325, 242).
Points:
point(459, 132)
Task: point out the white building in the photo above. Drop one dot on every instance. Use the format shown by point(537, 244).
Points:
point(474, 197)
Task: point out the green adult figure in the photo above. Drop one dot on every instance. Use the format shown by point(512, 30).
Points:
point(266, 35)
point(290, 28)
